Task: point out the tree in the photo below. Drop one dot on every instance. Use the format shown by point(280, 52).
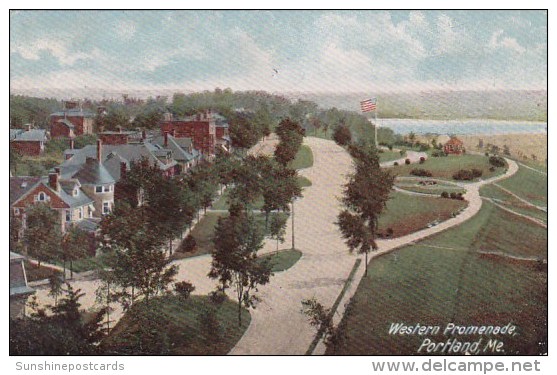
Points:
point(322, 319)
point(55, 285)
point(291, 136)
point(62, 332)
point(15, 159)
point(43, 235)
point(364, 198)
point(74, 246)
point(277, 228)
point(342, 135)
point(235, 263)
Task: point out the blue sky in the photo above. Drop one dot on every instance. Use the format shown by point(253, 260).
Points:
point(313, 51)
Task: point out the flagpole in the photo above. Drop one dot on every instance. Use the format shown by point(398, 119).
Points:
point(376, 124)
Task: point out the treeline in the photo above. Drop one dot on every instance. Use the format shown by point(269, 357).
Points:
point(259, 107)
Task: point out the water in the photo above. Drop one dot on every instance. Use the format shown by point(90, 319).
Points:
point(405, 126)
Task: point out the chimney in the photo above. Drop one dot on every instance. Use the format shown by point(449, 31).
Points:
point(99, 151)
point(123, 170)
point(57, 170)
point(53, 181)
point(28, 127)
point(72, 144)
point(119, 129)
point(165, 139)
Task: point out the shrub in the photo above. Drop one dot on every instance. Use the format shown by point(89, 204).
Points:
point(422, 160)
point(476, 172)
point(396, 164)
point(217, 297)
point(459, 196)
point(438, 153)
point(421, 172)
point(492, 169)
point(444, 194)
point(390, 232)
point(487, 154)
point(463, 174)
point(424, 147)
point(407, 161)
point(497, 161)
point(184, 289)
point(390, 147)
point(188, 245)
point(402, 152)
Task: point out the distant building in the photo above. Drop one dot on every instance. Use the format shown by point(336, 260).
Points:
point(454, 146)
point(72, 121)
point(201, 128)
point(28, 141)
point(121, 137)
point(182, 150)
point(19, 290)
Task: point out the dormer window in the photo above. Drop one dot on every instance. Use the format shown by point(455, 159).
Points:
point(103, 189)
point(41, 197)
point(75, 192)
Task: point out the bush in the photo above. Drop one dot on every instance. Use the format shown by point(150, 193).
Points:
point(438, 153)
point(184, 289)
point(424, 147)
point(453, 195)
point(396, 164)
point(390, 232)
point(217, 297)
point(421, 172)
point(444, 194)
point(464, 174)
point(476, 172)
point(497, 161)
point(422, 160)
point(459, 196)
point(188, 245)
point(492, 169)
point(407, 161)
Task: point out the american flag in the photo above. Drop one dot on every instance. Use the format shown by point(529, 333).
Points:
point(368, 105)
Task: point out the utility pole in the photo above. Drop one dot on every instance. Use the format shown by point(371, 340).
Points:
point(293, 200)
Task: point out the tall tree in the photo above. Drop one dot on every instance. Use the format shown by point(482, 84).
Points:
point(43, 233)
point(74, 246)
point(235, 263)
point(364, 198)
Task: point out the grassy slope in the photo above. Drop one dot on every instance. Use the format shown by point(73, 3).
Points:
point(388, 156)
point(407, 213)
point(184, 335)
point(445, 167)
point(435, 286)
point(284, 259)
point(528, 185)
point(304, 158)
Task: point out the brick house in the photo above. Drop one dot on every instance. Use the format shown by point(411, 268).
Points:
point(200, 128)
point(182, 150)
point(454, 146)
point(72, 121)
point(28, 142)
point(64, 196)
point(121, 137)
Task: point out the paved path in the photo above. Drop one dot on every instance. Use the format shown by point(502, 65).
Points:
point(536, 221)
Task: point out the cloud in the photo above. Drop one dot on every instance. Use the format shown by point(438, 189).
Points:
point(498, 41)
point(56, 48)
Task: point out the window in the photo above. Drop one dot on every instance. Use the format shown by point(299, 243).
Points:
point(68, 215)
point(106, 208)
point(75, 192)
point(98, 189)
point(107, 188)
point(103, 188)
point(80, 213)
point(42, 197)
point(16, 211)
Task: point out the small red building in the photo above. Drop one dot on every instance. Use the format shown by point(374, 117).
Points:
point(200, 128)
point(28, 142)
point(71, 122)
point(121, 137)
point(454, 146)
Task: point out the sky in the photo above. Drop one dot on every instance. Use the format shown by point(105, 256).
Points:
point(276, 51)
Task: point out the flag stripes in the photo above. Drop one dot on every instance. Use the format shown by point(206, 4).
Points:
point(368, 105)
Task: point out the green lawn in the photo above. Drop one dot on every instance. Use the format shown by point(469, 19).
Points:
point(304, 158)
point(87, 264)
point(427, 285)
point(527, 184)
point(203, 232)
point(435, 189)
point(176, 326)
point(445, 167)
point(284, 259)
point(35, 273)
point(389, 155)
point(409, 213)
point(304, 181)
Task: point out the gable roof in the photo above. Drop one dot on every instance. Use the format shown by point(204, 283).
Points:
point(35, 135)
point(113, 155)
point(73, 113)
point(21, 185)
point(179, 146)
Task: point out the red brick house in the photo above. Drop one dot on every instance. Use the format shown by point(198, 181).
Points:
point(454, 146)
point(71, 122)
point(121, 137)
point(200, 128)
point(28, 142)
